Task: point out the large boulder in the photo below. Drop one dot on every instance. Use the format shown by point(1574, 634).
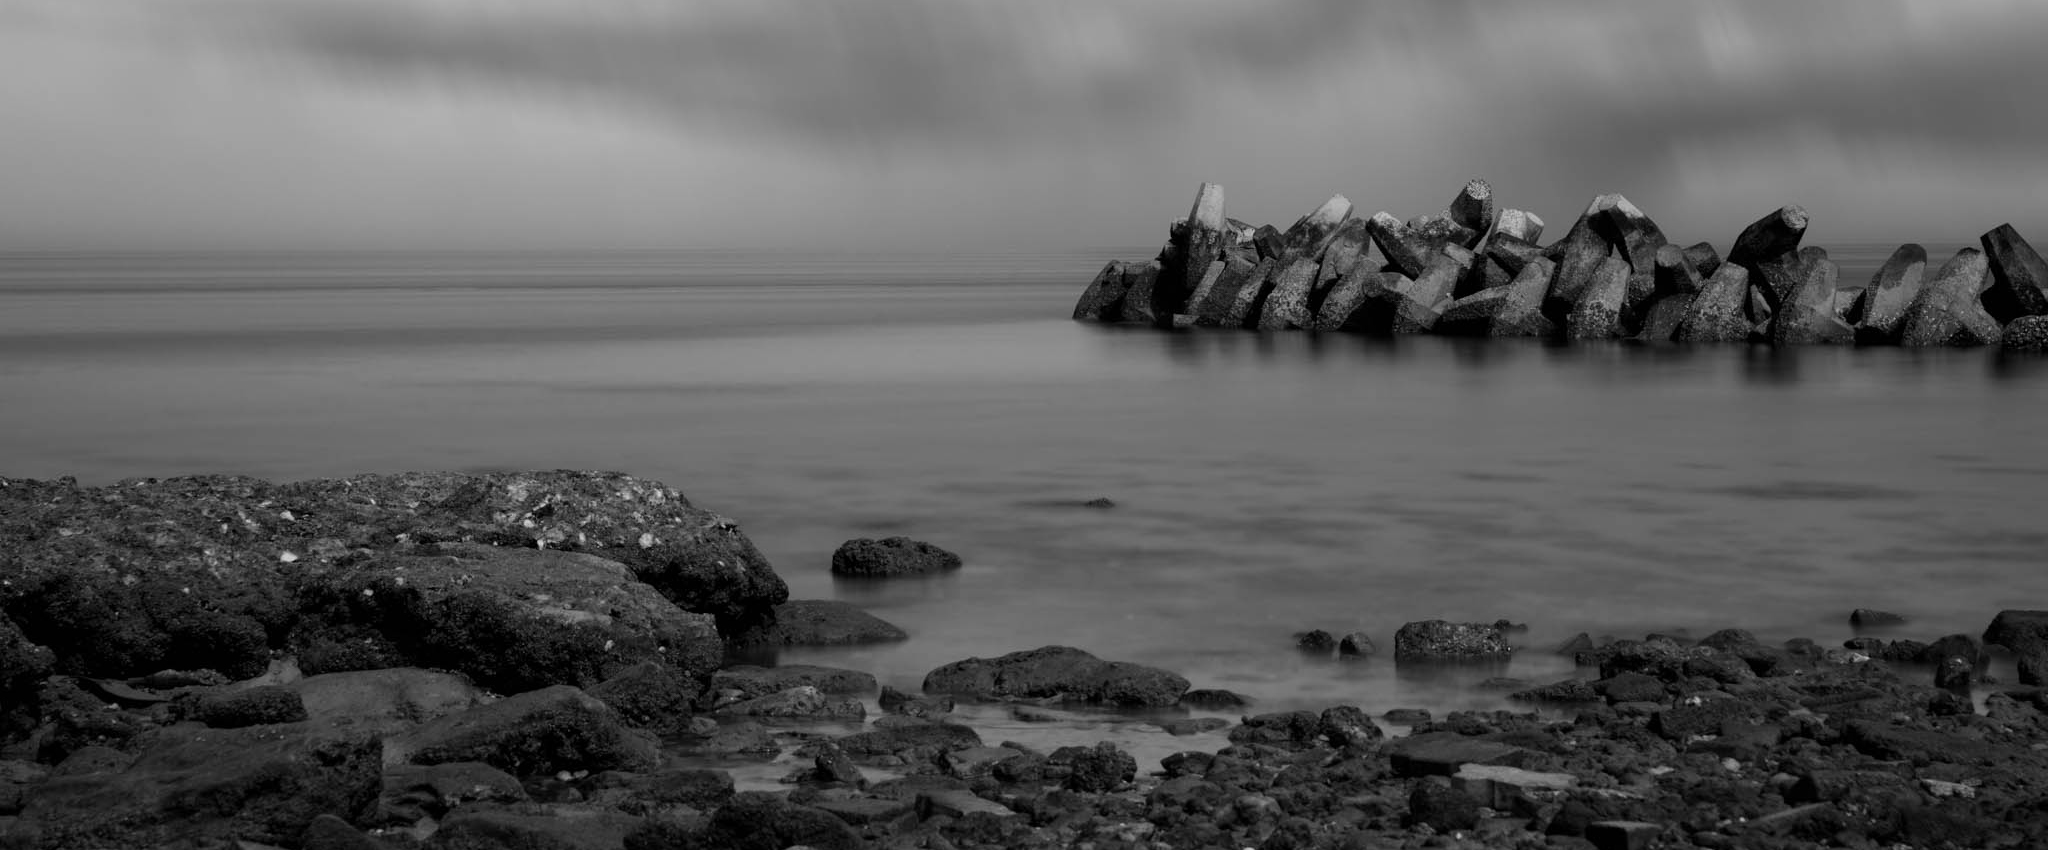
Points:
point(1218, 290)
point(1243, 310)
point(1287, 305)
point(1473, 210)
point(1058, 672)
point(2026, 333)
point(534, 733)
point(202, 572)
point(2022, 632)
point(1201, 246)
point(383, 702)
point(512, 619)
point(22, 668)
point(2019, 277)
point(821, 622)
point(755, 820)
point(1521, 312)
point(1520, 224)
point(194, 784)
point(1948, 310)
point(1440, 640)
point(1716, 314)
point(1597, 314)
point(1881, 317)
point(1405, 250)
point(891, 556)
point(1420, 303)
point(1103, 300)
point(1807, 314)
point(1767, 240)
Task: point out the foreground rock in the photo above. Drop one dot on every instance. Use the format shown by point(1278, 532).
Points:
point(1058, 672)
point(891, 556)
point(1948, 312)
point(821, 622)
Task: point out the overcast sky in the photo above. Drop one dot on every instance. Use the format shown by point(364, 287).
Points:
point(915, 124)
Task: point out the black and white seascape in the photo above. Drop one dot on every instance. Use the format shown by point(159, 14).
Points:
point(462, 424)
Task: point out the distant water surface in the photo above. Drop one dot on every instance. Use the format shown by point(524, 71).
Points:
point(1265, 484)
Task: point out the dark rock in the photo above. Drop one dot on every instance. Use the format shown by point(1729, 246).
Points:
point(1058, 671)
point(1954, 673)
point(1285, 729)
point(1576, 644)
point(1519, 224)
point(1717, 313)
point(1201, 247)
point(1268, 241)
point(1360, 302)
point(2026, 333)
point(1631, 687)
point(892, 556)
point(1315, 641)
point(800, 701)
point(1355, 645)
point(2033, 666)
point(1140, 283)
point(556, 829)
point(2019, 631)
point(1286, 304)
point(1439, 231)
point(1596, 313)
point(910, 742)
point(1194, 725)
point(1947, 311)
point(1103, 300)
point(1215, 699)
point(1311, 234)
point(897, 702)
point(648, 694)
point(1521, 313)
point(1442, 753)
point(1881, 313)
point(1251, 297)
point(2019, 277)
point(821, 622)
point(1780, 275)
point(194, 784)
point(1704, 259)
point(384, 702)
point(1473, 210)
point(1512, 254)
point(1348, 726)
point(539, 732)
point(23, 665)
point(863, 811)
point(750, 682)
point(1806, 316)
point(411, 792)
point(1421, 302)
point(249, 707)
point(1769, 239)
point(1622, 834)
point(1441, 807)
point(512, 619)
point(1662, 318)
point(1217, 294)
point(328, 832)
point(1438, 640)
point(1346, 257)
point(1561, 692)
point(1473, 314)
point(1578, 255)
point(1949, 646)
point(1095, 769)
point(1405, 250)
point(1676, 274)
point(1683, 722)
point(756, 820)
point(1871, 618)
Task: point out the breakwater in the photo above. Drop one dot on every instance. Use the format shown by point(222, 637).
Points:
point(1476, 269)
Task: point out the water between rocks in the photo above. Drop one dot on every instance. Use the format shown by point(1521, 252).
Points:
point(1264, 484)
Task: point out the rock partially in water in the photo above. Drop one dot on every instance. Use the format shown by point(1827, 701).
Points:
point(2019, 277)
point(1717, 313)
point(891, 556)
point(2026, 334)
point(511, 619)
point(2018, 630)
point(1103, 300)
point(531, 734)
point(249, 707)
point(1140, 281)
point(821, 622)
point(1439, 640)
point(750, 682)
point(1058, 672)
point(1807, 314)
point(1768, 240)
point(1520, 314)
point(1597, 313)
point(1870, 618)
point(1948, 311)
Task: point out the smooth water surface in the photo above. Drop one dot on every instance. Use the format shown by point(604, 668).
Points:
point(1265, 483)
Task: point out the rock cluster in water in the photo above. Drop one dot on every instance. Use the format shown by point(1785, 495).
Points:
point(527, 660)
point(1477, 270)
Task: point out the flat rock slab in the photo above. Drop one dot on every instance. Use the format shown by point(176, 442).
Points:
point(821, 622)
point(754, 682)
point(861, 811)
point(1622, 834)
point(540, 732)
point(1499, 787)
point(1444, 753)
point(570, 829)
point(1058, 672)
point(957, 803)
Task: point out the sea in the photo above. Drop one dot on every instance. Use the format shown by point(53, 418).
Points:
point(1264, 484)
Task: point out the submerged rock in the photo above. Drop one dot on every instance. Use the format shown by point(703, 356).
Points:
point(1892, 290)
point(1440, 640)
point(891, 556)
point(1058, 672)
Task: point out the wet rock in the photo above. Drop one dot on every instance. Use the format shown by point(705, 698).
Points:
point(958, 804)
point(1622, 834)
point(1806, 316)
point(1473, 314)
point(799, 701)
point(1520, 314)
point(191, 783)
point(1954, 673)
point(1662, 318)
point(1560, 692)
point(1287, 304)
point(897, 702)
point(1949, 646)
point(2018, 630)
point(1219, 292)
point(1505, 788)
point(1630, 687)
point(1422, 302)
point(1347, 726)
point(512, 619)
point(1058, 671)
point(1355, 645)
point(1597, 313)
point(1201, 247)
point(1520, 224)
point(1360, 302)
point(559, 828)
point(1404, 249)
point(750, 682)
point(1439, 640)
point(892, 556)
point(1768, 240)
point(1473, 209)
point(1215, 699)
point(1871, 618)
point(1286, 729)
point(1683, 722)
point(412, 792)
point(534, 733)
point(1094, 769)
point(1717, 313)
point(2019, 277)
point(755, 820)
point(910, 742)
point(1675, 273)
point(1315, 641)
point(2027, 334)
point(1704, 259)
point(1881, 315)
point(1441, 807)
point(1947, 311)
point(648, 694)
point(249, 707)
point(1103, 300)
point(821, 622)
point(1140, 283)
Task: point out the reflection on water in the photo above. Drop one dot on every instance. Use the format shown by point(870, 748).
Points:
point(1265, 483)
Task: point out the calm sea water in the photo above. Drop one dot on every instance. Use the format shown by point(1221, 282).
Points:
point(1265, 484)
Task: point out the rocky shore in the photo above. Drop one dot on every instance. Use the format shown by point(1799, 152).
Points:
point(1475, 269)
point(545, 660)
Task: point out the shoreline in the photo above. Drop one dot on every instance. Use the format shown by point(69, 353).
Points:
point(589, 685)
